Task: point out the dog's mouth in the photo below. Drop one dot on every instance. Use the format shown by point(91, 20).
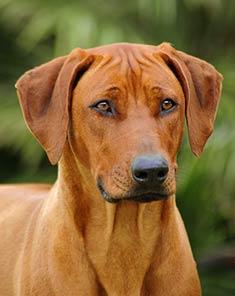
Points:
point(141, 197)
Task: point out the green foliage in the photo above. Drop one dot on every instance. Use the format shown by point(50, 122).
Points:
point(33, 32)
point(218, 283)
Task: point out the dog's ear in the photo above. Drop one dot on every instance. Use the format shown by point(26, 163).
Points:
point(44, 94)
point(202, 86)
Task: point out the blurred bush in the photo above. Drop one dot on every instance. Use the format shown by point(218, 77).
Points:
point(33, 32)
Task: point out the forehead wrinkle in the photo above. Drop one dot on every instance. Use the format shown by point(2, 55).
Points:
point(108, 62)
point(134, 63)
point(147, 59)
point(157, 70)
point(144, 58)
point(135, 73)
point(149, 67)
point(104, 69)
point(126, 71)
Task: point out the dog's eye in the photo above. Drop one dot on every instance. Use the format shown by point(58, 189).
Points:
point(167, 105)
point(104, 107)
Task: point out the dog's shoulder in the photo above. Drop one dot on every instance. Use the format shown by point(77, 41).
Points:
point(18, 195)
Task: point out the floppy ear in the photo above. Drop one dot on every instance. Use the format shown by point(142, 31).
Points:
point(44, 94)
point(202, 86)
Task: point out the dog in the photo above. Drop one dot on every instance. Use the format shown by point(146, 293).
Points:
point(112, 117)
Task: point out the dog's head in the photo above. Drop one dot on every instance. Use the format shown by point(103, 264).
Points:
point(122, 108)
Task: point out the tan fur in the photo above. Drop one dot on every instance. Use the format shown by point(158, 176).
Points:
point(66, 239)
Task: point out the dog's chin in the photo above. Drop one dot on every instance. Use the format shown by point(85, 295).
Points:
point(143, 197)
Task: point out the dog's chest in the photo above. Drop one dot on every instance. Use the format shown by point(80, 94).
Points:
point(122, 255)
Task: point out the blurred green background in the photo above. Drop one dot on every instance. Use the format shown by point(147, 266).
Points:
point(33, 32)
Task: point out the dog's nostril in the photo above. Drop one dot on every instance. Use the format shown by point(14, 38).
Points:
point(141, 175)
point(162, 173)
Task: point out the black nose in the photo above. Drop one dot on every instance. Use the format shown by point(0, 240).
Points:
point(149, 169)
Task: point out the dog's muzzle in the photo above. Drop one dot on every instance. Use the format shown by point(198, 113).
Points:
point(149, 173)
point(138, 197)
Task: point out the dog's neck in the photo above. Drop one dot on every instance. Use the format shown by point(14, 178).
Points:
point(125, 234)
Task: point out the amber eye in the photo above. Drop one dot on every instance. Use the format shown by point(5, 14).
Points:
point(104, 107)
point(167, 105)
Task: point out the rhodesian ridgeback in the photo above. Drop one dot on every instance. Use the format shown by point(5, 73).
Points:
point(113, 119)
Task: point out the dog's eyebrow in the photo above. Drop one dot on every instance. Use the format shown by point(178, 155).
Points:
point(113, 91)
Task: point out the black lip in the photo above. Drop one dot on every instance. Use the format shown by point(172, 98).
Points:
point(142, 198)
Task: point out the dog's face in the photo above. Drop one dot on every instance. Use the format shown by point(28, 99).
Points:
point(126, 117)
point(121, 108)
